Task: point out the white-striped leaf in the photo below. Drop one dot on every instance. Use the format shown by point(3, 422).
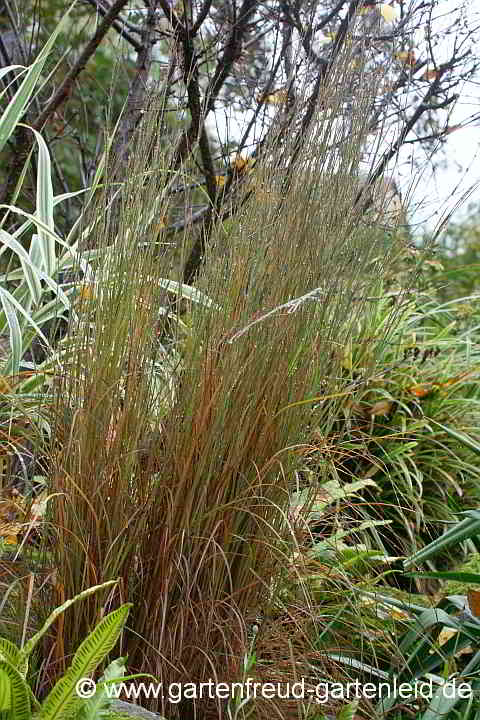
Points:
point(15, 333)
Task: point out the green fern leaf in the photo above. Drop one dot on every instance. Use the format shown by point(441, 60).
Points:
point(14, 694)
point(62, 703)
point(28, 647)
point(9, 652)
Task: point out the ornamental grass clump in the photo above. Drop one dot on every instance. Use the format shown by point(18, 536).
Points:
point(182, 413)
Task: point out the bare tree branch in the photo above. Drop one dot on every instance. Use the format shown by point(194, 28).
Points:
point(231, 53)
point(119, 26)
point(66, 86)
point(426, 104)
point(137, 91)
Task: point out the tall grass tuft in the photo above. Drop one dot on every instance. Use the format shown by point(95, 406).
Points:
point(181, 424)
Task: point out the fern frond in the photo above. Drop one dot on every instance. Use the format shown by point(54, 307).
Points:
point(14, 694)
point(11, 654)
point(62, 702)
point(28, 647)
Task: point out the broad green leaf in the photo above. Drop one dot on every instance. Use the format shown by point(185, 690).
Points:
point(467, 528)
point(8, 302)
point(4, 71)
point(55, 287)
point(359, 665)
point(332, 541)
point(188, 292)
point(71, 249)
point(29, 268)
point(5, 693)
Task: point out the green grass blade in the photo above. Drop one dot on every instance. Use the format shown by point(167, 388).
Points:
point(466, 529)
point(473, 578)
point(461, 437)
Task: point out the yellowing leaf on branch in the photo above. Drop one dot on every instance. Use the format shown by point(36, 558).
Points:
point(241, 163)
point(277, 97)
point(430, 75)
point(388, 13)
point(407, 57)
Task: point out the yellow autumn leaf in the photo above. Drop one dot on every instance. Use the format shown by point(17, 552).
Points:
point(435, 264)
point(430, 75)
point(160, 225)
point(407, 57)
point(388, 13)
point(277, 97)
point(86, 291)
point(39, 506)
point(347, 358)
point(10, 531)
point(241, 163)
point(445, 635)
